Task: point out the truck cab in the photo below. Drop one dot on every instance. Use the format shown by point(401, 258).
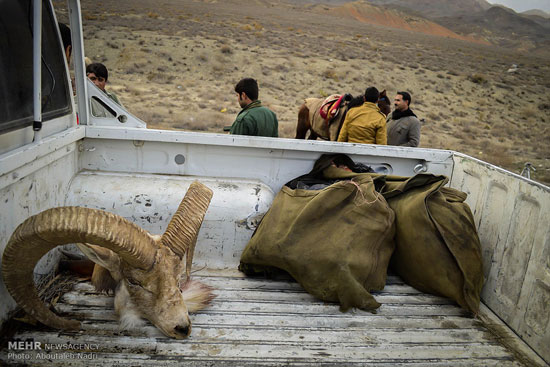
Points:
point(54, 153)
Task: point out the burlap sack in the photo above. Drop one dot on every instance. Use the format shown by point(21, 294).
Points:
point(437, 246)
point(336, 242)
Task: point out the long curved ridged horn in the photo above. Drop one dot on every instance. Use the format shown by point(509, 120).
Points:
point(181, 233)
point(40, 233)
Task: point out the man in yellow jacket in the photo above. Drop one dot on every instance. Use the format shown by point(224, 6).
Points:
point(365, 124)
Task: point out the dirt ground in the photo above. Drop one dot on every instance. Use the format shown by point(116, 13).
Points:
point(174, 64)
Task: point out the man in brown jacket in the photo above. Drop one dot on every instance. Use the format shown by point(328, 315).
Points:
point(403, 125)
point(365, 124)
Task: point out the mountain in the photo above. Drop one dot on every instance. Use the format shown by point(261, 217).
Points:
point(393, 16)
point(479, 20)
point(536, 12)
point(437, 8)
point(503, 27)
point(472, 20)
point(539, 17)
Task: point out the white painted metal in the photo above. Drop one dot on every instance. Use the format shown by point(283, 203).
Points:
point(37, 67)
point(75, 19)
point(18, 163)
point(30, 188)
point(158, 166)
point(15, 139)
point(254, 322)
point(122, 117)
point(125, 170)
point(85, 89)
point(150, 200)
point(512, 214)
point(270, 160)
point(23, 137)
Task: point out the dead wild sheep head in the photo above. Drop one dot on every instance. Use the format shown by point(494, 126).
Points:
point(145, 270)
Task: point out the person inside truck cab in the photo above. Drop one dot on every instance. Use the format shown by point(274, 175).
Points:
point(254, 119)
point(65, 32)
point(98, 74)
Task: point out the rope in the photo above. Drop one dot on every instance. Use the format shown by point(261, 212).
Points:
point(358, 201)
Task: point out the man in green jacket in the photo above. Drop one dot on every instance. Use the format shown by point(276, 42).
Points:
point(254, 119)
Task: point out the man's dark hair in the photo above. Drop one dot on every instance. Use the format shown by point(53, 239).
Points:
point(65, 35)
point(406, 97)
point(372, 94)
point(98, 69)
point(248, 86)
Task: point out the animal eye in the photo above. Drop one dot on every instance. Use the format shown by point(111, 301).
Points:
point(132, 282)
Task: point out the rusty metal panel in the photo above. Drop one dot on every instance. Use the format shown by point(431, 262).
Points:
point(513, 215)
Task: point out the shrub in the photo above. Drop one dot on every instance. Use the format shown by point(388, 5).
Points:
point(88, 16)
point(330, 74)
point(478, 78)
point(434, 116)
point(226, 50)
point(528, 112)
point(202, 57)
point(498, 154)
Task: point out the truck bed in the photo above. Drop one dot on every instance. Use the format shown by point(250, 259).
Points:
point(260, 322)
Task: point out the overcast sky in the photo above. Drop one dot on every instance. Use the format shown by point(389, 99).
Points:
point(523, 5)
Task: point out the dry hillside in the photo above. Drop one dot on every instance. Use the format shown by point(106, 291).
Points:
point(394, 18)
point(437, 8)
point(175, 63)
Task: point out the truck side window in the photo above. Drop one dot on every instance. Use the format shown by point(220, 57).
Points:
point(16, 81)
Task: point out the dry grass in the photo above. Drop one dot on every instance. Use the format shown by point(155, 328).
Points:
point(497, 153)
point(330, 74)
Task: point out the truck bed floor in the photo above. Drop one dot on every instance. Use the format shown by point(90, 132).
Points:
point(259, 322)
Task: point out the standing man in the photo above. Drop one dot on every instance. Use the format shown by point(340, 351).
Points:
point(403, 125)
point(366, 123)
point(254, 119)
point(98, 74)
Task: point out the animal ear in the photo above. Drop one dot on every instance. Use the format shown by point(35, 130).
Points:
point(101, 256)
point(383, 93)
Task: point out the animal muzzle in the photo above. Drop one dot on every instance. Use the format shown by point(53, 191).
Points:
point(182, 331)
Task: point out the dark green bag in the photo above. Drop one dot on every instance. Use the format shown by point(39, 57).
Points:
point(336, 242)
point(437, 246)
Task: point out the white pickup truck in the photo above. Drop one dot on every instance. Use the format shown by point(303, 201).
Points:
point(49, 157)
